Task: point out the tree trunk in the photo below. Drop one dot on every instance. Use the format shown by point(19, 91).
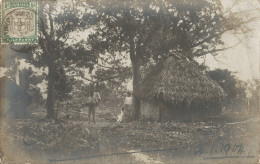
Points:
point(136, 81)
point(51, 113)
point(136, 64)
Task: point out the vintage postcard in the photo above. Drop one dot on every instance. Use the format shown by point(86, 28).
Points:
point(130, 81)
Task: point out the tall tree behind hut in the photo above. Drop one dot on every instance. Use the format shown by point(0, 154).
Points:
point(153, 29)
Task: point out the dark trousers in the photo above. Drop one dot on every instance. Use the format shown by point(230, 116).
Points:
point(91, 111)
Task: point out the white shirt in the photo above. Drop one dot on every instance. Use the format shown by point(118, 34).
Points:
point(128, 101)
point(96, 95)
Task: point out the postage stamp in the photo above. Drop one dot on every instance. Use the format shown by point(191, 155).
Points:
point(19, 22)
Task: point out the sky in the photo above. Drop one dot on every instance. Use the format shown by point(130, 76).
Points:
point(243, 58)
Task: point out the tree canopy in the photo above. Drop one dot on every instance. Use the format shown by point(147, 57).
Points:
point(159, 27)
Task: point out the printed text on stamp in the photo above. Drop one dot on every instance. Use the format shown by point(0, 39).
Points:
point(19, 22)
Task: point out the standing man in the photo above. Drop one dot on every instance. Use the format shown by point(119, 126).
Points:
point(94, 101)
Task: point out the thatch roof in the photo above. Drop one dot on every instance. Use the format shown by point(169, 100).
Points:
point(179, 81)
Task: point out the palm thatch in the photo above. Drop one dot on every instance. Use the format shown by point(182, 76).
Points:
point(179, 81)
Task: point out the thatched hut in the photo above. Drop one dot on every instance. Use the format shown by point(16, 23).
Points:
point(179, 90)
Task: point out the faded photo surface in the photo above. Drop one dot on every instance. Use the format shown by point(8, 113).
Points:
point(130, 81)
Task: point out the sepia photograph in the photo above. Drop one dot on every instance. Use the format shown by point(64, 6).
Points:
point(130, 82)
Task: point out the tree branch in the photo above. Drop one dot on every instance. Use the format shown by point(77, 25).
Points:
point(105, 66)
point(64, 31)
point(216, 50)
point(87, 79)
point(207, 39)
point(98, 81)
point(51, 22)
point(44, 32)
point(219, 60)
point(222, 32)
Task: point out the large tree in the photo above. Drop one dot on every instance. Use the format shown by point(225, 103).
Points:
point(154, 29)
point(61, 51)
point(57, 25)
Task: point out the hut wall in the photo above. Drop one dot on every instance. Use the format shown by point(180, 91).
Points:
point(204, 110)
point(165, 112)
point(176, 113)
point(149, 111)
